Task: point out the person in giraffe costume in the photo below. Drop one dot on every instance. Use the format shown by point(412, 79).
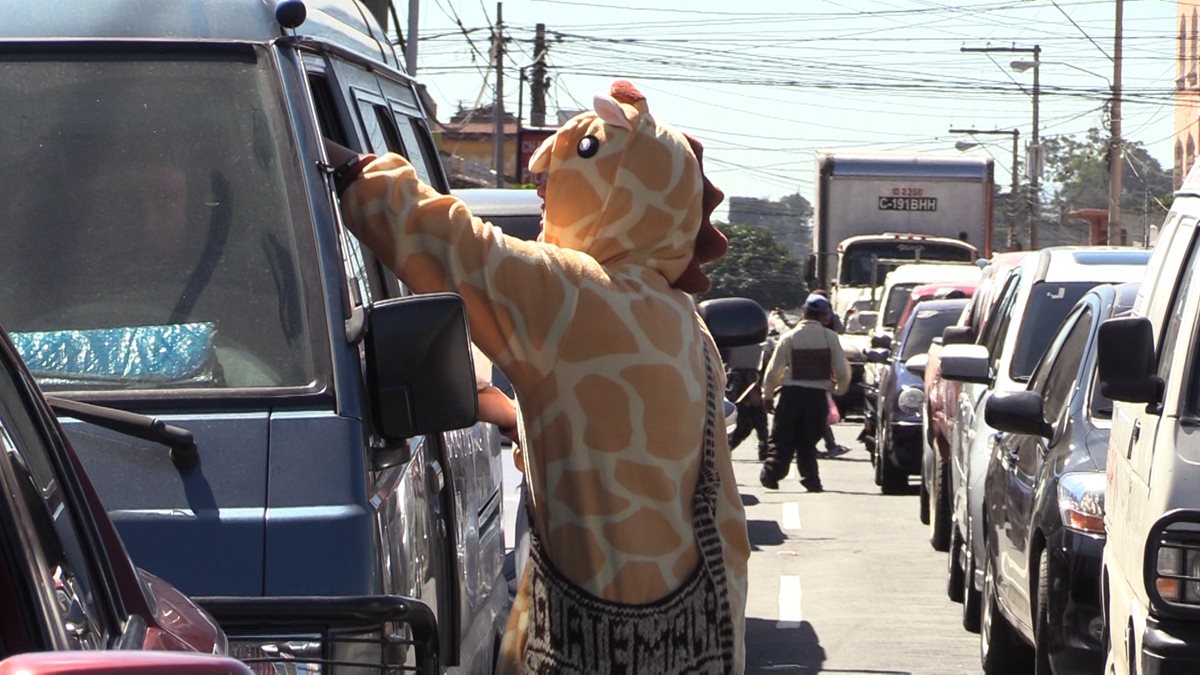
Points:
point(633, 494)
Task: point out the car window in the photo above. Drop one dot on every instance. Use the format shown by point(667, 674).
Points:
point(925, 325)
point(998, 320)
point(1062, 373)
point(1184, 289)
point(172, 249)
point(1048, 304)
point(63, 565)
point(894, 304)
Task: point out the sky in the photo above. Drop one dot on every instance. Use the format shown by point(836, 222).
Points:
point(765, 84)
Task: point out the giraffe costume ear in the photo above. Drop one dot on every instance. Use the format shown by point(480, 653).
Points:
point(609, 110)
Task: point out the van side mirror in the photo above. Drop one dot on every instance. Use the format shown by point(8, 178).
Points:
point(1017, 412)
point(734, 322)
point(958, 335)
point(419, 367)
point(966, 363)
point(1125, 361)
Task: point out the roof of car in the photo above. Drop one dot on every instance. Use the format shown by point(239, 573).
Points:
point(952, 305)
point(1089, 263)
point(344, 22)
point(924, 273)
point(501, 201)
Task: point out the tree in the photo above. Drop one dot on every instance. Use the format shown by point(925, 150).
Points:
point(1079, 170)
point(756, 267)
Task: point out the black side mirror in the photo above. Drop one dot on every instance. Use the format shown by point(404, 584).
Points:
point(1017, 412)
point(881, 341)
point(419, 366)
point(1125, 361)
point(734, 322)
point(958, 335)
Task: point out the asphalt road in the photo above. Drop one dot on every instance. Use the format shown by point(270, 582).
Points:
point(843, 581)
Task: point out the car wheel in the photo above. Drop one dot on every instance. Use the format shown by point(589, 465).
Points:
point(971, 598)
point(892, 479)
point(954, 568)
point(939, 510)
point(1041, 634)
point(923, 502)
point(1000, 650)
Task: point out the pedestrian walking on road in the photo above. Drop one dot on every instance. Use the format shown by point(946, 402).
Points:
point(808, 363)
point(744, 387)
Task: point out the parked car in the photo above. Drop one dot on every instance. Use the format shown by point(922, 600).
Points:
point(900, 397)
point(197, 269)
point(897, 293)
point(1043, 505)
point(1037, 295)
point(517, 212)
point(941, 402)
point(66, 582)
point(941, 290)
point(1150, 365)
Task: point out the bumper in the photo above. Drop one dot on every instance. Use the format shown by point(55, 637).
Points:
point(1075, 612)
point(1170, 646)
point(906, 447)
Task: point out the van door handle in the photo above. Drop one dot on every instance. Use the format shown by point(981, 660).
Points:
point(1133, 438)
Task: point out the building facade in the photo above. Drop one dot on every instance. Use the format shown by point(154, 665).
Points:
point(1187, 87)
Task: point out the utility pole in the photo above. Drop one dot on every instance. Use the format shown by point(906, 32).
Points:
point(498, 102)
point(1016, 181)
point(410, 38)
point(1033, 162)
point(537, 81)
point(518, 170)
point(1116, 156)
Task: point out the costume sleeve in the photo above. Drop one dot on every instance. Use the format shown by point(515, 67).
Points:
point(433, 243)
point(781, 361)
point(841, 366)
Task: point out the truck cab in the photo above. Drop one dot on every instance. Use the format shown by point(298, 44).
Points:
point(174, 248)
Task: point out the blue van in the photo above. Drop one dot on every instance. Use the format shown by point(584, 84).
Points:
point(172, 249)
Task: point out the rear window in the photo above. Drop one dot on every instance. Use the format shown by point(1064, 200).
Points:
point(894, 305)
point(1049, 304)
point(926, 325)
point(150, 238)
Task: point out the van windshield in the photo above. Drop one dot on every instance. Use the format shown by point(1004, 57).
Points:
point(149, 237)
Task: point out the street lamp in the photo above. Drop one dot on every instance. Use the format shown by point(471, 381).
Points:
point(1014, 190)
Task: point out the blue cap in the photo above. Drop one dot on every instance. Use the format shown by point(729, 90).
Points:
point(817, 303)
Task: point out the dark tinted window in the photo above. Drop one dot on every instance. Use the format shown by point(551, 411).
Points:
point(896, 300)
point(867, 263)
point(1062, 376)
point(1049, 304)
point(926, 325)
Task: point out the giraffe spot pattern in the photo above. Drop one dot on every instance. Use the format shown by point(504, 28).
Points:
point(637, 578)
point(655, 164)
point(576, 552)
point(552, 294)
point(553, 444)
point(669, 424)
point(646, 532)
point(652, 314)
point(598, 332)
point(683, 195)
point(686, 563)
point(608, 428)
point(428, 269)
point(585, 493)
point(644, 480)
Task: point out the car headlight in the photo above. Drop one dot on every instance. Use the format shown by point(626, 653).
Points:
point(1081, 501)
point(1174, 560)
point(911, 400)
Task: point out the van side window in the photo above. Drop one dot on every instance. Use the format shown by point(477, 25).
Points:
point(1000, 318)
point(1182, 292)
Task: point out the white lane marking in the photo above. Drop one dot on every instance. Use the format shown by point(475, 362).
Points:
point(791, 516)
point(790, 614)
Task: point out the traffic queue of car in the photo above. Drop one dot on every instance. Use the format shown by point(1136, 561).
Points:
point(1058, 416)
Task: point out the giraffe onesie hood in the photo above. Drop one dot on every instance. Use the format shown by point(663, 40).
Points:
point(594, 326)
